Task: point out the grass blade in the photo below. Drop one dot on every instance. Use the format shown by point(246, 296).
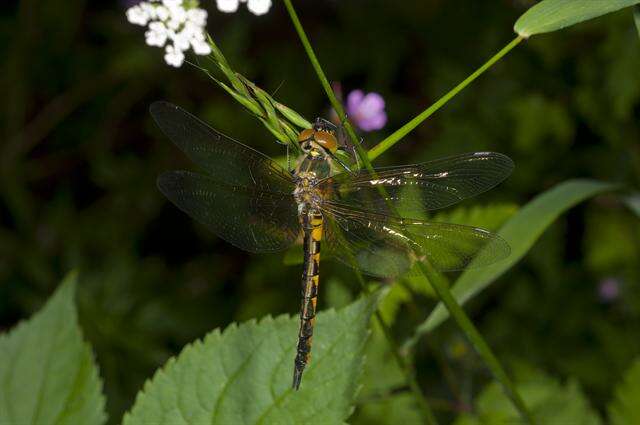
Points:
point(552, 15)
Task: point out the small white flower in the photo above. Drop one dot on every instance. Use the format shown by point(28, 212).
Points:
point(149, 9)
point(172, 26)
point(197, 17)
point(137, 16)
point(157, 34)
point(200, 47)
point(259, 7)
point(172, 4)
point(227, 6)
point(173, 56)
point(182, 40)
point(162, 13)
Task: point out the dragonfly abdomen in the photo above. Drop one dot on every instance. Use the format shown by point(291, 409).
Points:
point(312, 226)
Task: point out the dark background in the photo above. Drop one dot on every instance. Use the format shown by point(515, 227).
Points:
point(79, 156)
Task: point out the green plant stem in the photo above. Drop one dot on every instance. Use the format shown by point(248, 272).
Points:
point(478, 342)
point(337, 106)
point(394, 138)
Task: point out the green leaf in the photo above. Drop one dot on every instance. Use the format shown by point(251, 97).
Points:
point(636, 18)
point(243, 374)
point(552, 15)
point(47, 372)
point(625, 408)
point(521, 232)
point(550, 402)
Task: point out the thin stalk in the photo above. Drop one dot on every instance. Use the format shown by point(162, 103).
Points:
point(478, 342)
point(394, 138)
point(337, 106)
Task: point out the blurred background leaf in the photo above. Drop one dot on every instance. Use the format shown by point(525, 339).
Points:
point(551, 402)
point(624, 409)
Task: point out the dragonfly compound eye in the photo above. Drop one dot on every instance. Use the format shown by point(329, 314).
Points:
point(306, 135)
point(326, 140)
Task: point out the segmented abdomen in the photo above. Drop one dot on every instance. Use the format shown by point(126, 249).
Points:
point(312, 226)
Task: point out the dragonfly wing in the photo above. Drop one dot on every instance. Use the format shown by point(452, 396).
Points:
point(387, 246)
point(413, 189)
point(250, 218)
point(226, 160)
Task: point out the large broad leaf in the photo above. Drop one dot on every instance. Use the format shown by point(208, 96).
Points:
point(47, 372)
point(550, 403)
point(552, 15)
point(625, 408)
point(243, 374)
point(521, 232)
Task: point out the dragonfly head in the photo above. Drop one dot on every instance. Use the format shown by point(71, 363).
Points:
point(323, 141)
point(319, 140)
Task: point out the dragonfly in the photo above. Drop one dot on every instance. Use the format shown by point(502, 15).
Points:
point(250, 201)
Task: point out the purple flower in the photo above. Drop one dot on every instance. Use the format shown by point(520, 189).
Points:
point(609, 289)
point(366, 110)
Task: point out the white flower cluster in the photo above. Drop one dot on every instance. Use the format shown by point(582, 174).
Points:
point(173, 26)
point(257, 7)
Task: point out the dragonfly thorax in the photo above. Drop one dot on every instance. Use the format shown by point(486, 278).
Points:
point(306, 193)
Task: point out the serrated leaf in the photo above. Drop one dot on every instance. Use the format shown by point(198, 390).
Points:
point(243, 375)
point(550, 403)
point(552, 15)
point(625, 408)
point(47, 372)
point(521, 232)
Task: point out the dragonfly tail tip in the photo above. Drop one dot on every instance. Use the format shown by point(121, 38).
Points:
point(297, 378)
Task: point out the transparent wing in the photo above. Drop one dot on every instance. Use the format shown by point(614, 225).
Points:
point(414, 189)
point(226, 160)
point(386, 246)
point(246, 198)
point(249, 218)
